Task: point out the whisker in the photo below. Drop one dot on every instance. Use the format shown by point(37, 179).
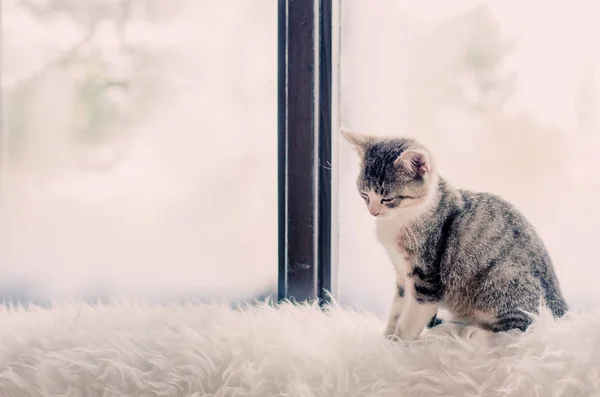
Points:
point(414, 236)
point(403, 230)
point(408, 233)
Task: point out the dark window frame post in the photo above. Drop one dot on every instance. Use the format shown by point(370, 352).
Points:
point(304, 149)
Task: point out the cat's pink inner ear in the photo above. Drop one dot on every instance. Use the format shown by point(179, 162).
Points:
point(414, 161)
point(358, 141)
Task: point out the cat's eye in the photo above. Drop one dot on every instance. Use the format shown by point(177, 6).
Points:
point(389, 200)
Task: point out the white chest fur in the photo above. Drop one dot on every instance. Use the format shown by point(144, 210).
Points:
point(392, 236)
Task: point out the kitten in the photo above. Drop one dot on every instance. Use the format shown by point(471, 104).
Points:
point(471, 253)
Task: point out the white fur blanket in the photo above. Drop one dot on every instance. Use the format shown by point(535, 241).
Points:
point(212, 350)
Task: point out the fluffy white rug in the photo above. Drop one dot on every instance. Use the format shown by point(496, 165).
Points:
point(212, 350)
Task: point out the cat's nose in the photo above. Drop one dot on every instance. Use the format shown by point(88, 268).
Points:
point(373, 212)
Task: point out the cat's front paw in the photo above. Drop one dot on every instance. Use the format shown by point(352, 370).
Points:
point(390, 330)
point(392, 333)
point(393, 338)
point(475, 333)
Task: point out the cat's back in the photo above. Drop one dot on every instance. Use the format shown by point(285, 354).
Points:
point(489, 223)
point(486, 215)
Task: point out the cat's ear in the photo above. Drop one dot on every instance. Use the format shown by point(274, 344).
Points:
point(359, 141)
point(414, 161)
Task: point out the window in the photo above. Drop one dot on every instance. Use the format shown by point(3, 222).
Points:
point(306, 225)
point(155, 150)
point(139, 149)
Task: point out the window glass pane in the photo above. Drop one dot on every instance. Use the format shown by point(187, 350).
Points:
point(506, 101)
point(138, 149)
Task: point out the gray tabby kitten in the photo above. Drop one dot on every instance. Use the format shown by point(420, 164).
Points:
point(471, 253)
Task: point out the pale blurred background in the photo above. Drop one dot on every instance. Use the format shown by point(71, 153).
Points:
point(139, 148)
point(139, 137)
